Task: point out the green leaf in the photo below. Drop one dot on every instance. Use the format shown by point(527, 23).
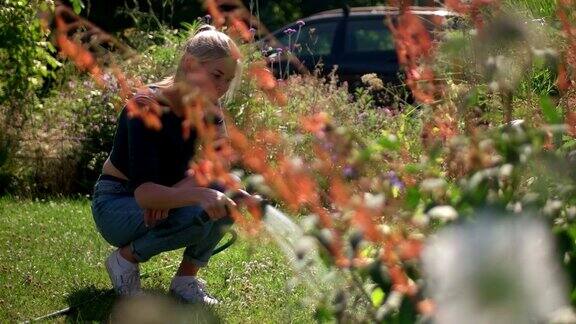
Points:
point(551, 115)
point(323, 314)
point(454, 193)
point(572, 233)
point(366, 154)
point(377, 297)
point(379, 274)
point(412, 197)
point(472, 98)
point(54, 63)
point(569, 144)
point(412, 168)
point(407, 313)
point(389, 141)
point(77, 6)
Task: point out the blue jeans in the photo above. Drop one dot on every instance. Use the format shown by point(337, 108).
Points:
point(120, 220)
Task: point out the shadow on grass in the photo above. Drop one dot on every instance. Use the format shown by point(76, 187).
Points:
point(99, 305)
point(91, 304)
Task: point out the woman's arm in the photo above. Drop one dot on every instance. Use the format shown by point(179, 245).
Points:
point(150, 195)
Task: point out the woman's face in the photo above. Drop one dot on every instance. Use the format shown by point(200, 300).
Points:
point(213, 76)
point(218, 72)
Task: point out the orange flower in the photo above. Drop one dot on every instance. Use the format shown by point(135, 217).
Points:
point(264, 78)
point(203, 172)
point(413, 42)
point(276, 96)
point(152, 121)
point(122, 82)
point(562, 81)
point(426, 307)
point(315, 123)
point(571, 123)
point(212, 8)
point(268, 137)
point(410, 249)
point(241, 28)
point(338, 192)
point(363, 219)
point(400, 281)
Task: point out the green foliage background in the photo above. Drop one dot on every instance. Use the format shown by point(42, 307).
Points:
point(26, 62)
point(59, 126)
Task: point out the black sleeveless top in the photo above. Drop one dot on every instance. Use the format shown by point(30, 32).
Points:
point(148, 155)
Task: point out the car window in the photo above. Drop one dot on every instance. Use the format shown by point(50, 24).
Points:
point(368, 36)
point(315, 38)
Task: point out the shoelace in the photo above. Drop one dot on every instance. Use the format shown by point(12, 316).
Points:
point(196, 286)
point(199, 286)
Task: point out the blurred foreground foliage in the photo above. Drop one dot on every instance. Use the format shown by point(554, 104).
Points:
point(497, 140)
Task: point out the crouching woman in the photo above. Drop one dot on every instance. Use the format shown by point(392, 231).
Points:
point(143, 202)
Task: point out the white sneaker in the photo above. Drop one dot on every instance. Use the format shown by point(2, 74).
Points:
point(125, 275)
point(192, 290)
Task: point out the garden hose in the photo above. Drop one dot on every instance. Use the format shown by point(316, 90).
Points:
point(70, 309)
point(226, 245)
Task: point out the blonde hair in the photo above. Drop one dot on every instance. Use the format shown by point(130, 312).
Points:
point(207, 44)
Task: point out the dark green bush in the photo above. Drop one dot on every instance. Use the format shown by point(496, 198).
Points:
point(64, 144)
point(26, 61)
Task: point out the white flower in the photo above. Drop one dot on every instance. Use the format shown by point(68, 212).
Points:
point(444, 213)
point(494, 271)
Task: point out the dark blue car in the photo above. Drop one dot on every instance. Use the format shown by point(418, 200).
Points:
point(354, 40)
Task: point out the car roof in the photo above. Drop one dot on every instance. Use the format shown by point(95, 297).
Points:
point(382, 10)
point(367, 12)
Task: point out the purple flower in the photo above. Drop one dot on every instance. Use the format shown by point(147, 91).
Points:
point(387, 112)
point(252, 30)
point(279, 50)
point(349, 171)
point(289, 31)
point(394, 180)
point(300, 23)
point(328, 146)
point(207, 17)
point(107, 77)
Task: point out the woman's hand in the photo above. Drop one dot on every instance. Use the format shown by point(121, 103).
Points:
point(153, 216)
point(243, 197)
point(215, 202)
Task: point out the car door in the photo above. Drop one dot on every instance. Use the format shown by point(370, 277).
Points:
point(368, 48)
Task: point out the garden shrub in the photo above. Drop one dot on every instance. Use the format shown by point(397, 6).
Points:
point(66, 139)
point(80, 116)
point(26, 62)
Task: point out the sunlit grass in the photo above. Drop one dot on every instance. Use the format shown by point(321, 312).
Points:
point(537, 8)
point(51, 257)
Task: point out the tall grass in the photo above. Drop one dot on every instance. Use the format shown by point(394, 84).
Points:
point(536, 8)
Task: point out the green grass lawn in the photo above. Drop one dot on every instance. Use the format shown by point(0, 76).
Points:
point(51, 257)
